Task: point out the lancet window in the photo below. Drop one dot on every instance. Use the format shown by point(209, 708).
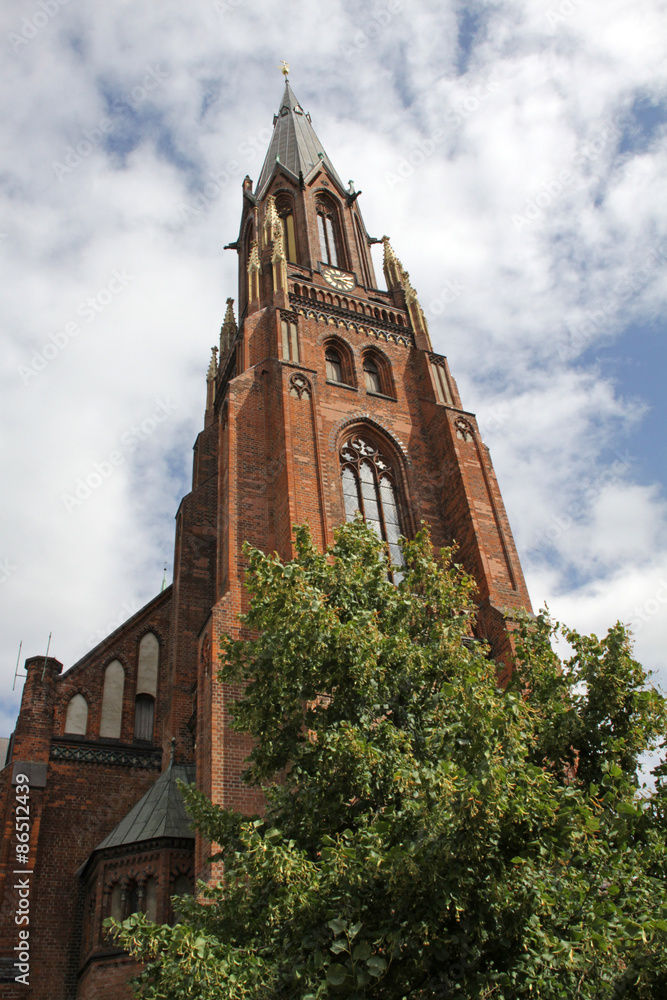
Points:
point(286, 213)
point(369, 486)
point(327, 229)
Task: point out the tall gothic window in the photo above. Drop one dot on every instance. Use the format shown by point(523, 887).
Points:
point(286, 213)
point(327, 229)
point(369, 486)
point(290, 340)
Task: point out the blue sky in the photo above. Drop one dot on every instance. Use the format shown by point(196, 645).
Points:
point(515, 153)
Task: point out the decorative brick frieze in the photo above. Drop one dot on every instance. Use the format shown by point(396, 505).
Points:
point(94, 753)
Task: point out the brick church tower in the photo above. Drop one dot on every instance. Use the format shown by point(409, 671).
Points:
point(325, 398)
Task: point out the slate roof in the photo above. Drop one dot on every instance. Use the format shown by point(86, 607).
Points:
point(160, 813)
point(295, 142)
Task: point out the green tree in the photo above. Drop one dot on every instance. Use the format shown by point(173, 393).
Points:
point(427, 834)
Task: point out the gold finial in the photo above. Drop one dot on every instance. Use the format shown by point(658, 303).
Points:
point(284, 68)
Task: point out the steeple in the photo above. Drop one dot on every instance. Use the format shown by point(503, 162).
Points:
point(294, 145)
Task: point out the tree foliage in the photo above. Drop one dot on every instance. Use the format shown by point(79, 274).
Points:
point(427, 834)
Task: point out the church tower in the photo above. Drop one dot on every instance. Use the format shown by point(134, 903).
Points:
point(328, 399)
point(324, 398)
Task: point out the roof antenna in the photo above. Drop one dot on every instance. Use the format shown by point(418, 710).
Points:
point(46, 655)
point(18, 659)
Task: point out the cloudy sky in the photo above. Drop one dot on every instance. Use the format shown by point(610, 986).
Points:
point(513, 150)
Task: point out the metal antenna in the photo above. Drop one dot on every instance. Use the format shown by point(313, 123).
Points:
point(46, 655)
point(18, 660)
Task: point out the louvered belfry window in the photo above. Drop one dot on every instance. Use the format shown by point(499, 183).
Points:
point(369, 486)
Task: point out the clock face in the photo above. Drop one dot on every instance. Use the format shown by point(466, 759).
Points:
point(339, 279)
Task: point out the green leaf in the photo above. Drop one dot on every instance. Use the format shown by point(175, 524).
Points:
point(336, 975)
point(337, 925)
point(362, 951)
point(376, 965)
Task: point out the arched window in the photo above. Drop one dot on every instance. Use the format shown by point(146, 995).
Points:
point(377, 374)
point(290, 340)
point(372, 374)
point(285, 210)
point(369, 486)
point(327, 228)
point(76, 720)
point(144, 715)
point(334, 365)
point(442, 390)
point(148, 664)
point(112, 700)
point(339, 362)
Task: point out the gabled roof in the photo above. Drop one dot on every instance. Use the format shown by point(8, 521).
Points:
point(160, 813)
point(294, 144)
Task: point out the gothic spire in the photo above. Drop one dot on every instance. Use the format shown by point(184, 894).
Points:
point(294, 144)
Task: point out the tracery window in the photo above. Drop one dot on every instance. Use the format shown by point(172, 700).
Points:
point(369, 486)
